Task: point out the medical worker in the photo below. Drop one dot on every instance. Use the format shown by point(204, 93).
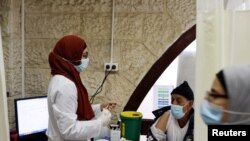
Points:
point(228, 100)
point(71, 116)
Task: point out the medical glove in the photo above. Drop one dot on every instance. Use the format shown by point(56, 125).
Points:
point(105, 117)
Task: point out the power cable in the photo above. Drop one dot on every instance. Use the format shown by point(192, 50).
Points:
point(100, 88)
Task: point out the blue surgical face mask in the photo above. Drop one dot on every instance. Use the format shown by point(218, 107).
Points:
point(83, 66)
point(211, 113)
point(177, 111)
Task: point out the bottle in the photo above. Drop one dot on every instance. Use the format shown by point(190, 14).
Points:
point(115, 132)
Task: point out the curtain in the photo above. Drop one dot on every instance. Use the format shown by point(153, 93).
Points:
point(222, 35)
point(4, 124)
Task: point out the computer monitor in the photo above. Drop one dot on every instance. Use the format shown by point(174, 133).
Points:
point(31, 116)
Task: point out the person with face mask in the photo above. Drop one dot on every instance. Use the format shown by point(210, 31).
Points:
point(71, 116)
point(228, 101)
point(175, 122)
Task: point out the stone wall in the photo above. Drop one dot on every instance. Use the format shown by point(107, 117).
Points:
point(143, 30)
point(10, 24)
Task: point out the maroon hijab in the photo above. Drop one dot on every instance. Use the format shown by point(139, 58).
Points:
point(71, 47)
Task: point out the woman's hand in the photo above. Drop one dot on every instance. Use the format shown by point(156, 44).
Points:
point(108, 105)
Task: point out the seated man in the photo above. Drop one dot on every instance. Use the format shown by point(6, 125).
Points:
point(175, 122)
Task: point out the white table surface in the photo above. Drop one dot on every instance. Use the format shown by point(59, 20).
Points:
point(143, 137)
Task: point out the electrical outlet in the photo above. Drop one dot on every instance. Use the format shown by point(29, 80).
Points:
point(110, 66)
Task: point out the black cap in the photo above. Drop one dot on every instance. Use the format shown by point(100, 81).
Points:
point(184, 90)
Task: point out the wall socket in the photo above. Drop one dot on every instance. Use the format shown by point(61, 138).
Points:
point(110, 66)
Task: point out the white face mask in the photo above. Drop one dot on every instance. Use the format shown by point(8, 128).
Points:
point(83, 66)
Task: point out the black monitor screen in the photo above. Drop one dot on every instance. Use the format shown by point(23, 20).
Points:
point(31, 115)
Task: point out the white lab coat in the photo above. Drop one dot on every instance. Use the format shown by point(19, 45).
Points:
point(62, 107)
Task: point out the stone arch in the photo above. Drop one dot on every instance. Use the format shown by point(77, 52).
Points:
point(156, 70)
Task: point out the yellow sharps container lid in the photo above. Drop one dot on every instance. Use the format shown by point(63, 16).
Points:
point(131, 114)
